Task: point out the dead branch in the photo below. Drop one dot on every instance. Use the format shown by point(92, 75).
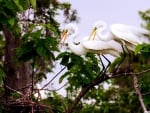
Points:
point(137, 90)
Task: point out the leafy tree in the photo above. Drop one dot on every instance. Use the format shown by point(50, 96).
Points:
point(28, 40)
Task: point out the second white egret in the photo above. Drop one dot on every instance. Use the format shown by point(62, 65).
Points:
point(129, 36)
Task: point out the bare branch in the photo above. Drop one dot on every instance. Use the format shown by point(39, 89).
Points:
point(137, 90)
point(53, 78)
point(55, 89)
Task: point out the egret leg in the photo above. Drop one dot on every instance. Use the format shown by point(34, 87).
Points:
point(129, 60)
point(108, 63)
point(103, 67)
point(122, 59)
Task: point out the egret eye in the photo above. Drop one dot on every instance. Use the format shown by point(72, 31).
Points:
point(71, 32)
point(101, 26)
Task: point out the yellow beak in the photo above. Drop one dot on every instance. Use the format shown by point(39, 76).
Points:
point(93, 34)
point(63, 36)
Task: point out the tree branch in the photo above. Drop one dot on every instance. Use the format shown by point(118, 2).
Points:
point(137, 90)
point(97, 81)
point(53, 78)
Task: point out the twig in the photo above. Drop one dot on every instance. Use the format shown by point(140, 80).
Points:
point(53, 78)
point(130, 73)
point(137, 90)
point(55, 89)
point(146, 93)
point(32, 76)
point(13, 90)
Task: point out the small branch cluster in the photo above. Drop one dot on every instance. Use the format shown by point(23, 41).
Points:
point(105, 77)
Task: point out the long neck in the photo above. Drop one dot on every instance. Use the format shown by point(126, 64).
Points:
point(104, 36)
point(75, 47)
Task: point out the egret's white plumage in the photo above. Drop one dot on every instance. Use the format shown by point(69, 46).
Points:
point(72, 33)
point(131, 34)
point(125, 34)
point(102, 47)
point(85, 45)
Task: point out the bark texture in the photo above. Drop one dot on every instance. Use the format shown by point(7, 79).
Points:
point(18, 75)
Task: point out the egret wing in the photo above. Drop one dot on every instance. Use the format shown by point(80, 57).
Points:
point(127, 33)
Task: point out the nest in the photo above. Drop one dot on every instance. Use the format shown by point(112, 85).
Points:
point(25, 107)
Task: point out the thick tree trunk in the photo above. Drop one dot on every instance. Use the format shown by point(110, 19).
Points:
point(18, 76)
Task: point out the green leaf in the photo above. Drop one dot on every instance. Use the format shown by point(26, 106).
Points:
point(33, 3)
point(142, 48)
point(25, 4)
point(10, 5)
point(11, 21)
point(61, 55)
point(18, 5)
point(43, 52)
point(51, 44)
point(64, 60)
point(63, 77)
point(26, 51)
point(2, 74)
point(36, 35)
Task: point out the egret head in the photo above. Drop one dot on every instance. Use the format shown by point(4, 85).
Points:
point(97, 25)
point(70, 29)
point(93, 33)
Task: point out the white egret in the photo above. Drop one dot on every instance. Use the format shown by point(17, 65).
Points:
point(85, 45)
point(71, 32)
point(101, 47)
point(129, 36)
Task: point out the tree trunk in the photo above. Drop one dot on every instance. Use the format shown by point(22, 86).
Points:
point(18, 76)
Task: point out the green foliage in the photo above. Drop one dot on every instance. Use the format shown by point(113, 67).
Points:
point(81, 70)
point(119, 97)
point(38, 46)
point(143, 50)
point(145, 15)
point(17, 3)
point(145, 86)
point(26, 52)
point(115, 63)
point(42, 43)
point(9, 10)
point(30, 44)
point(2, 74)
point(34, 46)
point(15, 95)
point(56, 101)
point(33, 3)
